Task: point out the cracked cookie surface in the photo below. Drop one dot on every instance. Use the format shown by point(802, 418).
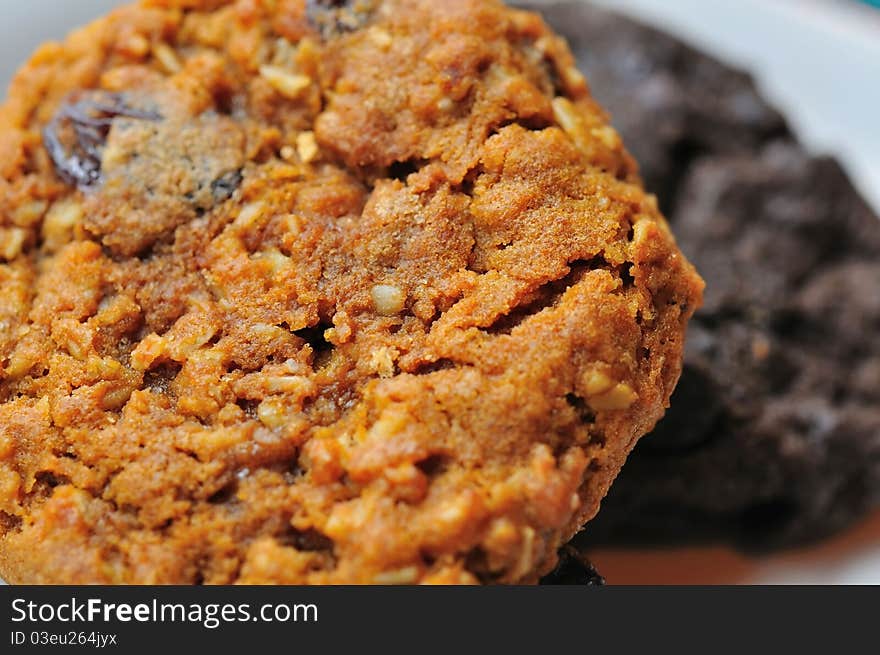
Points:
point(296, 292)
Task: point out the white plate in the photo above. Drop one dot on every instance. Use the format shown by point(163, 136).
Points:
point(818, 60)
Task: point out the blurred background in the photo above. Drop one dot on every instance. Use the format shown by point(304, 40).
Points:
point(818, 62)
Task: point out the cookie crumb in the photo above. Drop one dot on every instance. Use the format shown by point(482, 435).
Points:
point(290, 85)
point(404, 576)
point(307, 147)
point(60, 223)
point(596, 382)
point(388, 300)
point(380, 37)
point(566, 115)
point(621, 396)
point(271, 413)
point(12, 240)
point(382, 361)
point(167, 58)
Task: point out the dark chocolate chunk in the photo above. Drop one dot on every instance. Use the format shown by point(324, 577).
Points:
point(75, 135)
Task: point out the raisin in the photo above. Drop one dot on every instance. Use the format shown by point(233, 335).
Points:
point(573, 569)
point(335, 17)
point(77, 132)
point(224, 186)
point(307, 541)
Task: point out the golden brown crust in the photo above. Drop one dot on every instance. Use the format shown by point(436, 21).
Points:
point(377, 302)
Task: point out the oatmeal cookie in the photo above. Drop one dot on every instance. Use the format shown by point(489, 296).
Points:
point(319, 292)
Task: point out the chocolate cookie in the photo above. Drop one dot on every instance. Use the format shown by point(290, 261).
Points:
point(573, 569)
point(319, 292)
point(774, 432)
